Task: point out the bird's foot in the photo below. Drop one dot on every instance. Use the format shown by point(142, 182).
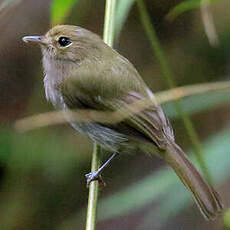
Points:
point(92, 176)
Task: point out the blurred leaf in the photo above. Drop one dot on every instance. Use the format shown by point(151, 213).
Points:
point(123, 8)
point(185, 6)
point(164, 186)
point(56, 154)
point(198, 103)
point(60, 9)
point(6, 144)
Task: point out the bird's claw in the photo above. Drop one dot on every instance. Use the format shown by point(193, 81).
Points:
point(92, 176)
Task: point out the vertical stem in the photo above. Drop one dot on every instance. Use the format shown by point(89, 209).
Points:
point(208, 22)
point(108, 37)
point(226, 220)
point(158, 51)
point(93, 191)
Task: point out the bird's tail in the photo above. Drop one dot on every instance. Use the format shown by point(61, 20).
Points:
point(207, 199)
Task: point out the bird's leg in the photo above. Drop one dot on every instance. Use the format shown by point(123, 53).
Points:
point(96, 175)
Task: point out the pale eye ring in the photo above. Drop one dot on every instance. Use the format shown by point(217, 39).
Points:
point(64, 41)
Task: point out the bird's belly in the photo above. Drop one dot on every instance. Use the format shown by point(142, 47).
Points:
point(106, 137)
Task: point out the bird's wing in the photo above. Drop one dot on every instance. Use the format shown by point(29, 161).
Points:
point(150, 123)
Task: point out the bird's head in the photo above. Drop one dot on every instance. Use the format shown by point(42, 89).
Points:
point(68, 43)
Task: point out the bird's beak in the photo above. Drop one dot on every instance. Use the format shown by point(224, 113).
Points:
point(35, 39)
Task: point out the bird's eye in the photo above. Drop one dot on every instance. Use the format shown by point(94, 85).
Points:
point(64, 41)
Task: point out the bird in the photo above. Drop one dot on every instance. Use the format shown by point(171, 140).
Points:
point(82, 72)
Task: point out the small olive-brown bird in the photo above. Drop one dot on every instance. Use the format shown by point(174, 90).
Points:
point(82, 72)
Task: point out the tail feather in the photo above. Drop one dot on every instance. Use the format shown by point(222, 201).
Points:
point(206, 198)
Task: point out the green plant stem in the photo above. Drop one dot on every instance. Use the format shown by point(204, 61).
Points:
point(158, 51)
point(226, 219)
point(93, 191)
point(108, 37)
point(208, 22)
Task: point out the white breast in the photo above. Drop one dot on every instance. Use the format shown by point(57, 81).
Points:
point(53, 76)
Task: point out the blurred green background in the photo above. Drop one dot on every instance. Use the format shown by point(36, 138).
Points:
point(42, 184)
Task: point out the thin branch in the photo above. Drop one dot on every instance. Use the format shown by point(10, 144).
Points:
point(54, 118)
point(191, 90)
